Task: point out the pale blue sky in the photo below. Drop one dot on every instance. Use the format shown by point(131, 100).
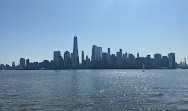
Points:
point(35, 28)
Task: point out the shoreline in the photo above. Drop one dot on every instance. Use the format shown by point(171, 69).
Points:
point(93, 69)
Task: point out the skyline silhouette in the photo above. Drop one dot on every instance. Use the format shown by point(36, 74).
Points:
point(97, 54)
point(99, 60)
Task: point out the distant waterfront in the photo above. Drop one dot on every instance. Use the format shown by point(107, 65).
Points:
point(98, 60)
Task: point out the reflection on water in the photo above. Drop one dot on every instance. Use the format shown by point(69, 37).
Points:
point(94, 90)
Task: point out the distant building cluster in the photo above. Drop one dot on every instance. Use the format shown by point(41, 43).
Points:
point(99, 60)
point(183, 64)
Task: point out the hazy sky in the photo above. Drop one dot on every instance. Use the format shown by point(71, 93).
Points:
point(35, 28)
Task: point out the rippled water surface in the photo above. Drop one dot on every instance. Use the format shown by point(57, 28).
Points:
point(94, 90)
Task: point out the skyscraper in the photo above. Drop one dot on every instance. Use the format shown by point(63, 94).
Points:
point(119, 55)
point(74, 55)
point(157, 60)
point(126, 55)
point(131, 59)
point(13, 64)
point(138, 56)
point(57, 55)
point(99, 53)
point(75, 45)
point(108, 54)
point(120, 50)
point(94, 52)
point(82, 57)
point(185, 62)
point(27, 64)
point(165, 61)
point(172, 63)
point(45, 64)
point(66, 56)
point(58, 60)
point(104, 56)
point(22, 63)
point(108, 51)
point(87, 61)
point(67, 60)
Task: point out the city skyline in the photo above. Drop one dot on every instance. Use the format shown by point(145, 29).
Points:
point(34, 29)
point(99, 60)
point(98, 49)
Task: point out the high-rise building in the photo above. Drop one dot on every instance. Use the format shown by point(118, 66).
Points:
point(118, 55)
point(104, 56)
point(74, 55)
point(67, 60)
point(22, 63)
point(35, 65)
point(99, 53)
point(13, 64)
point(138, 56)
point(94, 53)
point(148, 61)
point(108, 51)
point(108, 58)
point(58, 60)
point(87, 61)
point(157, 60)
point(87, 57)
point(57, 55)
point(45, 64)
point(172, 63)
point(185, 62)
point(27, 64)
point(2, 66)
point(131, 59)
point(75, 45)
point(165, 61)
point(126, 55)
point(121, 53)
point(82, 57)
point(66, 56)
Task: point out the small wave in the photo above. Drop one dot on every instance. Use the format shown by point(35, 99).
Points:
point(158, 94)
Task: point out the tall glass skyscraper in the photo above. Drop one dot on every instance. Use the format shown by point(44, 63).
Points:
point(74, 55)
point(172, 61)
point(22, 63)
point(96, 53)
point(57, 55)
point(75, 45)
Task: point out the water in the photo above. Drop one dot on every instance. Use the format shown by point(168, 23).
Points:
point(94, 90)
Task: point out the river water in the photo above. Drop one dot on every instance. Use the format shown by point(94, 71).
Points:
point(94, 90)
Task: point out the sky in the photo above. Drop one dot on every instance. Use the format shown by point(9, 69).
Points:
point(33, 29)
